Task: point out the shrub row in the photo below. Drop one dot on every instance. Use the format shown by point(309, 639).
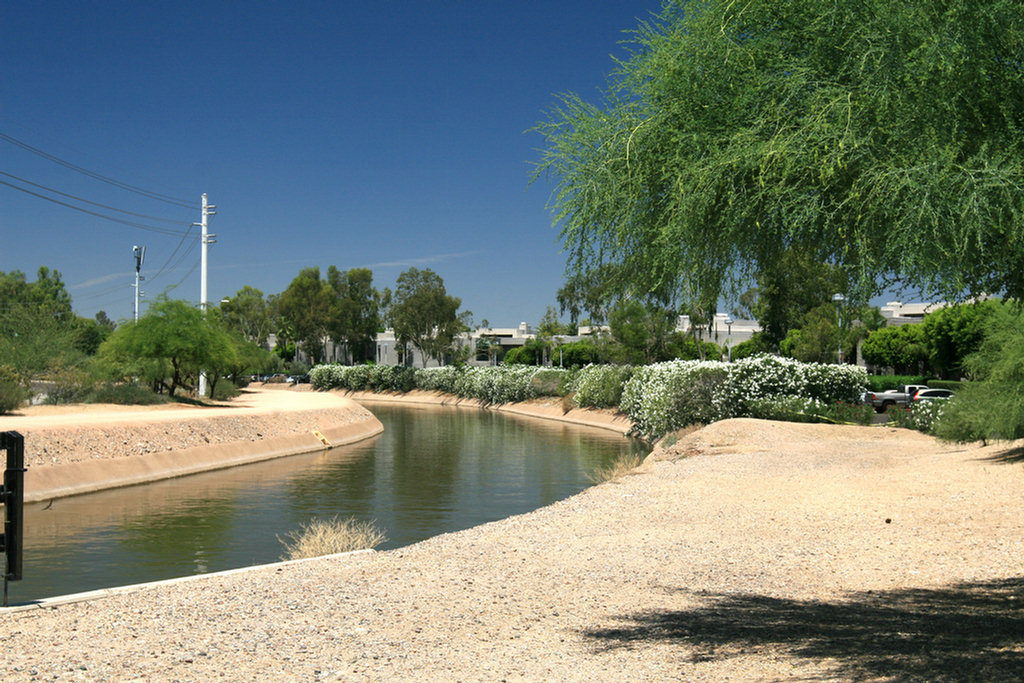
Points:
point(658, 398)
point(495, 384)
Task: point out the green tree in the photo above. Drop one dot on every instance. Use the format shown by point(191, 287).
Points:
point(37, 329)
point(307, 309)
point(904, 348)
point(250, 314)
point(992, 406)
point(643, 334)
point(955, 332)
point(88, 334)
point(424, 315)
point(246, 358)
point(103, 319)
point(884, 138)
point(169, 345)
point(788, 289)
point(357, 316)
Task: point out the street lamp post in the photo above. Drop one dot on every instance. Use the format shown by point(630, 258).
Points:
point(728, 338)
point(839, 299)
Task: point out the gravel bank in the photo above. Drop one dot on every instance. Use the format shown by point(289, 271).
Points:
point(748, 551)
point(68, 444)
point(82, 448)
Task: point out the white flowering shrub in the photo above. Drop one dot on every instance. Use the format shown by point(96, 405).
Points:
point(392, 378)
point(599, 386)
point(666, 396)
point(362, 377)
point(493, 384)
point(764, 376)
point(438, 379)
point(921, 416)
point(788, 408)
point(505, 383)
point(326, 377)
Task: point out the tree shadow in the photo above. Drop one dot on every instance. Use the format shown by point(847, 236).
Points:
point(1009, 456)
point(966, 633)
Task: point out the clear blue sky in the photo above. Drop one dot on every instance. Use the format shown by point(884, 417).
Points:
point(358, 134)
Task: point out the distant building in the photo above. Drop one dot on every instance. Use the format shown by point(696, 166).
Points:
point(899, 313)
point(487, 346)
point(740, 330)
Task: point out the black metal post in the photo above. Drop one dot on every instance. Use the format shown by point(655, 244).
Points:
point(13, 498)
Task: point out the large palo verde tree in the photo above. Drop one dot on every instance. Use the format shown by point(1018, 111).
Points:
point(884, 137)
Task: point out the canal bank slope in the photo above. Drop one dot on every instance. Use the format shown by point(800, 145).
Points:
point(77, 449)
point(747, 551)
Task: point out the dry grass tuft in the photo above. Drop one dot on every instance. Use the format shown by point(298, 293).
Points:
point(618, 469)
point(330, 536)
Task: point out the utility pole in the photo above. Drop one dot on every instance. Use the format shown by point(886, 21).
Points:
point(140, 256)
point(207, 239)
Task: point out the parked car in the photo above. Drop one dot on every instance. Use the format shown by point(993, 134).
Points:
point(900, 396)
point(926, 395)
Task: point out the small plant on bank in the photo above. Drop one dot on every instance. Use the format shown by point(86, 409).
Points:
point(12, 393)
point(622, 467)
point(319, 537)
point(225, 390)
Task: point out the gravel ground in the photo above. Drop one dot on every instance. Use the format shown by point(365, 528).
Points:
point(747, 551)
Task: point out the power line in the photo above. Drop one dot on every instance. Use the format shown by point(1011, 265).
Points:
point(185, 254)
point(141, 226)
point(102, 206)
point(192, 270)
point(96, 176)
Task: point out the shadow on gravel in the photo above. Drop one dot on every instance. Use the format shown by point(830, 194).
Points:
point(1009, 456)
point(968, 633)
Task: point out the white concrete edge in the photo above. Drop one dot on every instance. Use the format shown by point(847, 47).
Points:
point(101, 593)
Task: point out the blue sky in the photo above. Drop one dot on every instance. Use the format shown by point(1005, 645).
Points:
point(357, 134)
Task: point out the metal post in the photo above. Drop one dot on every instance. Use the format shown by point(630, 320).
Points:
point(140, 256)
point(206, 241)
point(728, 339)
point(12, 496)
point(839, 299)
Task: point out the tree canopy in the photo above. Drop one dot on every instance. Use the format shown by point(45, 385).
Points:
point(172, 341)
point(357, 314)
point(424, 315)
point(885, 138)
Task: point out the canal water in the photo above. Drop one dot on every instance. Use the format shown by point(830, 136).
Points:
point(432, 471)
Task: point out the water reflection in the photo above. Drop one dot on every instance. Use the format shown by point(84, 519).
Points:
point(432, 471)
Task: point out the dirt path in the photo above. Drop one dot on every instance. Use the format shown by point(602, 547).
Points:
point(748, 551)
point(257, 400)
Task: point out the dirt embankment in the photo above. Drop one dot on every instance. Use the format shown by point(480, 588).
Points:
point(76, 449)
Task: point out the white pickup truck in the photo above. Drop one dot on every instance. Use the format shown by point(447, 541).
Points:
point(901, 396)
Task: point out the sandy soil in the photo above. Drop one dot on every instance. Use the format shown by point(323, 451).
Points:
point(747, 551)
